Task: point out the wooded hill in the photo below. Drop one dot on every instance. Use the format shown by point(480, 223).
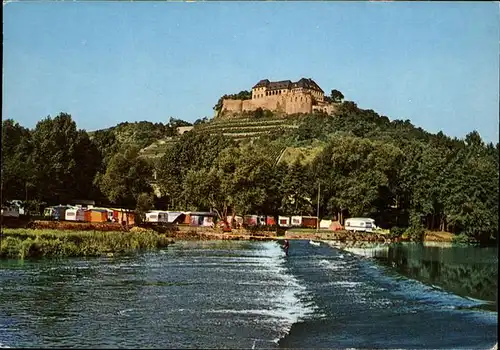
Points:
point(364, 164)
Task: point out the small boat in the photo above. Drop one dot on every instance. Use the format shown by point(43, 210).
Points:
point(317, 244)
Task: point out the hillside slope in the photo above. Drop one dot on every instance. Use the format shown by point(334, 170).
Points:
point(295, 137)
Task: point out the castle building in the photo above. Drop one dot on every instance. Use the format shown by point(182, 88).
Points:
point(286, 97)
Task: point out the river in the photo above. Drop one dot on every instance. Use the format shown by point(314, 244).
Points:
point(237, 294)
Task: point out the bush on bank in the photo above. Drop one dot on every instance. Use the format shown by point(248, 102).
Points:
point(463, 239)
point(26, 243)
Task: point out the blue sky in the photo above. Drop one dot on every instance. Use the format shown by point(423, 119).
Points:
point(436, 64)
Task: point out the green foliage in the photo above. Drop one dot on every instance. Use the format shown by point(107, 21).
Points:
point(138, 135)
point(295, 190)
point(242, 95)
point(193, 151)
point(107, 144)
point(471, 200)
point(64, 160)
point(236, 181)
point(416, 231)
point(336, 96)
point(356, 174)
point(144, 133)
point(201, 121)
point(314, 127)
point(17, 160)
point(25, 243)
point(397, 231)
point(463, 239)
point(258, 113)
point(126, 177)
point(145, 202)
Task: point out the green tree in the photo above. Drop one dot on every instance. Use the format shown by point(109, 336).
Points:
point(336, 96)
point(422, 182)
point(127, 176)
point(88, 160)
point(237, 182)
point(145, 203)
point(17, 161)
point(272, 204)
point(471, 191)
point(201, 121)
point(203, 189)
point(258, 113)
point(56, 167)
point(357, 174)
point(174, 123)
point(295, 190)
point(193, 151)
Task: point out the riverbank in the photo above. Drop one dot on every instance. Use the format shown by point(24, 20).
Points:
point(58, 242)
point(33, 243)
point(187, 232)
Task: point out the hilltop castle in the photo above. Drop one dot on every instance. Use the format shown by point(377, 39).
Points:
point(287, 97)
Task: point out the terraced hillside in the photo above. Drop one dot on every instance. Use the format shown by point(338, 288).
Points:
point(241, 128)
point(236, 128)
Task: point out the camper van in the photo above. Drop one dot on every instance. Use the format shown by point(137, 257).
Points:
point(57, 212)
point(360, 224)
point(10, 211)
point(75, 214)
point(157, 216)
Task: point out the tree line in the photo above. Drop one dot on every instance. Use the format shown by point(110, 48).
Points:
point(392, 171)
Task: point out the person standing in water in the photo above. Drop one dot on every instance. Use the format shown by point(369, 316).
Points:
point(286, 246)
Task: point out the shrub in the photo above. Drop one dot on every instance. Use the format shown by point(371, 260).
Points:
point(416, 231)
point(10, 247)
point(463, 239)
point(397, 231)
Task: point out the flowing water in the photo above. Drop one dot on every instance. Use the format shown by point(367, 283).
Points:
point(243, 295)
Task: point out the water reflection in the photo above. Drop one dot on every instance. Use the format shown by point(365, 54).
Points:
point(470, 272)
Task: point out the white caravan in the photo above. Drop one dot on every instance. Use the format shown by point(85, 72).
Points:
point(360, 224)
point(157, 216)
point(74, 214)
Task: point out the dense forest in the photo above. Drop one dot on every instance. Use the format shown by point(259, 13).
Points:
point(368, 165)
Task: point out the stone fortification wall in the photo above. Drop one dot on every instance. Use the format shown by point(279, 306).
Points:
point(248, 105)
point(328, 108)
point(230, 105)
point(289, 104)
point(298, 103)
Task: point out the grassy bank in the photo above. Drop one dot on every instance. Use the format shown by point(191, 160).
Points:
point(27, 243)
